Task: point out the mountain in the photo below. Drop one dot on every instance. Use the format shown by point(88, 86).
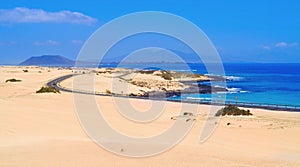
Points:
point(47, 60)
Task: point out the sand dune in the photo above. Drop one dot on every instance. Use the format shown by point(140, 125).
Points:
point(43, 130)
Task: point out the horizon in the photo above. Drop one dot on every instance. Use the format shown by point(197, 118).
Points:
point(137, 62)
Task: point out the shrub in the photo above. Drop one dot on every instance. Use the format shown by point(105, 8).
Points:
point(232, 110)
point(48, 89)
point(25, 70)
point(141, 84)
point(188, 114)
point(13, 80)
point(132, 95)
point(166, 75)
point(108, 91)
point(101, 72)
point(146, 71)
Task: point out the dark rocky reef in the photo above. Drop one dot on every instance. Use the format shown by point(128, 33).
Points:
point(200, 88)
point(203, 89)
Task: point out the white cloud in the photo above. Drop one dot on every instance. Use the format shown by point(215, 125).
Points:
point(9, 43)
point(266, 47)
point(46, 43)
point(285, 44)
point(75, 41)
point(281, 44)
point(26, 15)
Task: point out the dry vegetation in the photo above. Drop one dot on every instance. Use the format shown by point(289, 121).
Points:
point(13, 80)
point(48, 89)
point(233, 110)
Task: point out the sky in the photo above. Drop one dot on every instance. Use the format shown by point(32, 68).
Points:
point(242, 31)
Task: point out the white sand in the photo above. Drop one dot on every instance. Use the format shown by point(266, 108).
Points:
point(43, 130)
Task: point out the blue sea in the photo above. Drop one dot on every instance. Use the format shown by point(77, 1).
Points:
point(252, 83)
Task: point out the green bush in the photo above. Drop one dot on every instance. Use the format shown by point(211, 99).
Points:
point(232, 110)
point(13, 80)
point(48, 89)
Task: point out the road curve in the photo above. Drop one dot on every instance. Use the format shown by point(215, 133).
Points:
point(56, 84)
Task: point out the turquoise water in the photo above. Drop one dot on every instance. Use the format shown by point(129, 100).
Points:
point(257, 83)
point(260, 83)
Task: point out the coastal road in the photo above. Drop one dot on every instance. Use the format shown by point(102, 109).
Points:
point(56, 84)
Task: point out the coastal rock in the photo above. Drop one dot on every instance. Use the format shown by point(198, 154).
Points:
point(201, 89)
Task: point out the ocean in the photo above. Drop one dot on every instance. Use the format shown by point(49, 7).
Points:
point(277, 84)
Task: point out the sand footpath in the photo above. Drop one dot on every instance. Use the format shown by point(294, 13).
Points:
point(43, 130)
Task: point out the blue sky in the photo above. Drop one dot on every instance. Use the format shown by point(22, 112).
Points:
point(242, 31)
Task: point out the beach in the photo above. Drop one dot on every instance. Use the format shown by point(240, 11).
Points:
point(44, 130)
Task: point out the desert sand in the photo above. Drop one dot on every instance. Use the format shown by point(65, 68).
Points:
point(43, 130)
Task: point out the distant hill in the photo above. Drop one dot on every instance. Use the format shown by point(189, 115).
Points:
point(47, 60)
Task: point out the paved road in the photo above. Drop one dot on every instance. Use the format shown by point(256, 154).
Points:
point(56, 84)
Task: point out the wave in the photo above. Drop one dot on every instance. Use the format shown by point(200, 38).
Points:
point(197, 98)
point(228, 78)
point(235, 90)
point(184, 70)
point(219, 86)
point(244, 91)
point(233, 78)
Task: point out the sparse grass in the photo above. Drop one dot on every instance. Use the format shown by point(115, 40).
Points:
point(186, 75)
point(13, 80)
point(141, 84)
point(146, 71)
point(48, 89)
point(232, 110)
point(188, 114)
point(100, 72)
point(166, 75)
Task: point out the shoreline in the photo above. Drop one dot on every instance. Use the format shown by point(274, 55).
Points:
point(270, 106)
point(275, 107)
